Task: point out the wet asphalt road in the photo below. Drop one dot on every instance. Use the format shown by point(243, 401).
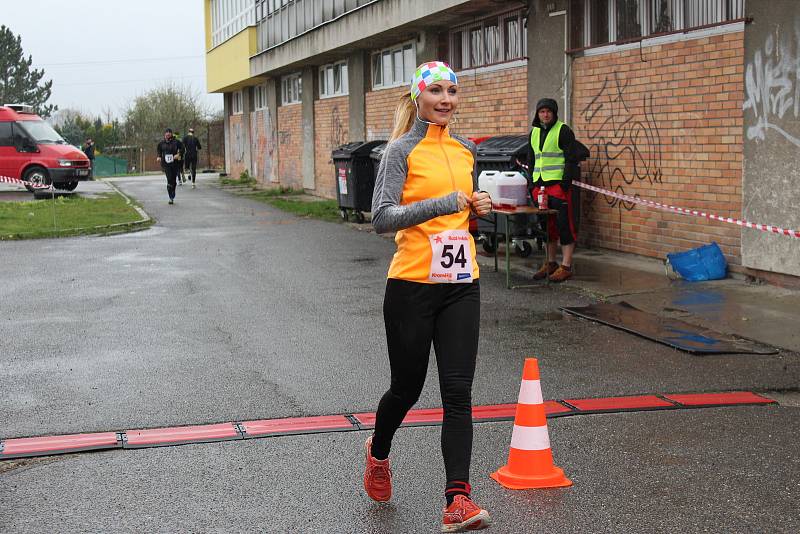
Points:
point(228, 309)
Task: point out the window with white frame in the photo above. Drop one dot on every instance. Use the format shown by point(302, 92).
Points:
point(229, 17)
point(393, 66)
point(492, 40)
point(600, 22)
point(291, 88)
point(333, 79)
point(236, 103)
point(260, 96)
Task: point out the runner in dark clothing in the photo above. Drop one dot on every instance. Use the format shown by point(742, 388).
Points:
point(180, 179)
point(169, 153)
point(191, 145)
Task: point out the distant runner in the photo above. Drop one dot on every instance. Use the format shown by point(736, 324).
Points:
point(191, 145)
point(169, 155)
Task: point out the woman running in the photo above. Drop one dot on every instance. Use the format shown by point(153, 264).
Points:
point(425, 190)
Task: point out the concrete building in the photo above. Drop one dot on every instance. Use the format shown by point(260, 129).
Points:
point(693, 103)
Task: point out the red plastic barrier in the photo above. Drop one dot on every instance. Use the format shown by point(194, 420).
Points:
point(295, 425)
point(178, 435)
point(47, 445)
point(719, 399)
point(617, 404)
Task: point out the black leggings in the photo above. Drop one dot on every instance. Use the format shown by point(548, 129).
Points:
point(191, 167)
point(449, 316)
point(171, 170)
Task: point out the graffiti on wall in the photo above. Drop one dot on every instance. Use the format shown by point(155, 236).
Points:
point(624, 141)
point(772, 86)
point(237, 146)
point(337, 129)
point(270, 172)
point(264, 161)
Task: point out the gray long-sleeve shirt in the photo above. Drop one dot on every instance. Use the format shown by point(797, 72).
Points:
point(388, 215)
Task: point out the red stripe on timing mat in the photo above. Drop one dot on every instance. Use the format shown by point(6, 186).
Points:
point(497, 411)
point(479, 413)
point(180, 434)
point(508, 411)
point(18, 447)
point(413, 417)
point(719, 399)
point(296, 425)
point(612, 404)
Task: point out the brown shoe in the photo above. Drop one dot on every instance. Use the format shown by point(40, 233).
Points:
point(561, 274)
point(545, 270)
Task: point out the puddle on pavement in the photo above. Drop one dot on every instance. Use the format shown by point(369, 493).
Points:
point(618, 278)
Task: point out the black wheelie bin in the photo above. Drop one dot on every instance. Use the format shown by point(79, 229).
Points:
point(355, 178)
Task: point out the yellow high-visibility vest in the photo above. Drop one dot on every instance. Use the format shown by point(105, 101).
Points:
point(549, 164)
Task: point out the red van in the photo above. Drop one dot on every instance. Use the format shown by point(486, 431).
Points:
point(31, 150)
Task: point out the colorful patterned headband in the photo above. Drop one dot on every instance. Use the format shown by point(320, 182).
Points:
point(429, 73)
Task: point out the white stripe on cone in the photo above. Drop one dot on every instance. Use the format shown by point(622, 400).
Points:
point(530, 392)
point(530, 438)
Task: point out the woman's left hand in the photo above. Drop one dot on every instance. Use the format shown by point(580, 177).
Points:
point(481, 203)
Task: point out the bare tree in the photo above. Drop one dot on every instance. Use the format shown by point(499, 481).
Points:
point(169, 106)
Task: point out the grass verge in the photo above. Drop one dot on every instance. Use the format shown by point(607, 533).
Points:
point(68, 216)
point(290, 200)
point(325, 210)
point(244, 179)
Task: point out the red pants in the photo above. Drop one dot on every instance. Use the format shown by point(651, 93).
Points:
point(559, 226)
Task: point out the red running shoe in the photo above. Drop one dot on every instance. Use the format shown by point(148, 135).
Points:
point(464, 515)
point(377, 476)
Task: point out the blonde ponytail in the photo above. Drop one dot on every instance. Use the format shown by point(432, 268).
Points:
point(404, 116)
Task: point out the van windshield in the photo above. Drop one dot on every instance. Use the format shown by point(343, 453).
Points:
point(41, 132)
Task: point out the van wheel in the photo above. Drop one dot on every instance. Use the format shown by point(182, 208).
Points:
point(68, 186)
point(36, 175)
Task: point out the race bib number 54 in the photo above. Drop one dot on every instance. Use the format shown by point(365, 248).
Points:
point(451, 258)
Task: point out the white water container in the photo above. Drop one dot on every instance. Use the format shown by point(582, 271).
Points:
point(512, 185)
point(487, 181)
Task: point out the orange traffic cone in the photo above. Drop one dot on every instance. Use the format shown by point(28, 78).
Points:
point(530, 460)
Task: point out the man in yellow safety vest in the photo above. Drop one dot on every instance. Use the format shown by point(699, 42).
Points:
point(552, 169)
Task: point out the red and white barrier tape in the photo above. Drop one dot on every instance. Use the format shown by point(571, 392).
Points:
point(9, 180)
point(684, 211)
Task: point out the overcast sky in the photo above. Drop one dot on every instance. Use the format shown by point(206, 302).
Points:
point(101, 55)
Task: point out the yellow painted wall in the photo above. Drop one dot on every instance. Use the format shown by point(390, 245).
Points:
point(228, 65)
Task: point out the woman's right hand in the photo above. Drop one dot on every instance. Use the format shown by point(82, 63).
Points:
point(463, 201)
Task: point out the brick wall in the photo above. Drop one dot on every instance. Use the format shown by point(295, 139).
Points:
point(290, 145)
point(331, 129)
point(490, 103)
point(238, 138)
point(493, 103)
point(380, 106)
point(664, 123)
